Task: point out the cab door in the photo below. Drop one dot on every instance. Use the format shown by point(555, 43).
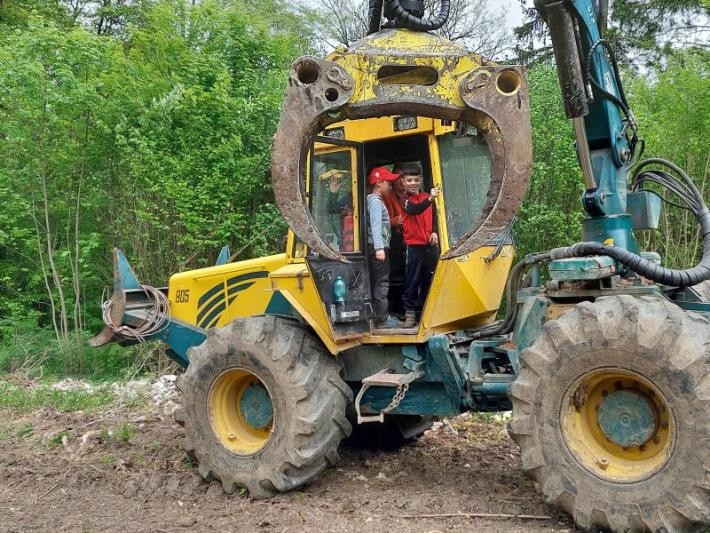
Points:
point(336, 192)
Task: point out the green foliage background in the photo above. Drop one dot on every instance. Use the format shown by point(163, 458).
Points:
point(147, 126)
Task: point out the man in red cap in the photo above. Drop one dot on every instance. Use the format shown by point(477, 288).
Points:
point(378, 242)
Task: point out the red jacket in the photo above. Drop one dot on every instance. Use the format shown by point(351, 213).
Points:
point(418, 218)
point(394, 208)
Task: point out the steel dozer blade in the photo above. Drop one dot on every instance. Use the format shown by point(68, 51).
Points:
point(123, 279)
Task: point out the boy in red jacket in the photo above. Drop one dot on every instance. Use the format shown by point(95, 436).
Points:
point(418, 237)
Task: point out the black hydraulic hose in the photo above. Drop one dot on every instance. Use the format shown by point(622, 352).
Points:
point(412, 22)
point(374, 16)
point(689, 193)
point(513, 284)
point(647, 269)
point(621, 101)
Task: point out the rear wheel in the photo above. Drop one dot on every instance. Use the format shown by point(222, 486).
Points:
point(263, 406)
point(610, 411)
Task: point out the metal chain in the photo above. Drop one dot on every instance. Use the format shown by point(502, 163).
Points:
point(398, 397)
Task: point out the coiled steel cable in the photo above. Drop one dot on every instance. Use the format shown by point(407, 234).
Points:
point(155, 321)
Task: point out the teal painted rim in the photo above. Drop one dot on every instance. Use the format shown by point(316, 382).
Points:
point(256, 406)
point(628, 418)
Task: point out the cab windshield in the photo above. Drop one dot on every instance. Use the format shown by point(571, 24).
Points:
point(466, 176)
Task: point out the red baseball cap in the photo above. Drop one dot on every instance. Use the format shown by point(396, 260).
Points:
point(378, 174)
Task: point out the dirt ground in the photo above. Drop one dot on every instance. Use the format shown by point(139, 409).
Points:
point(123, 469)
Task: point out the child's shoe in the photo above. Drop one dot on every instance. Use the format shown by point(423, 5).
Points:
point(389, 322)
point(410, 318)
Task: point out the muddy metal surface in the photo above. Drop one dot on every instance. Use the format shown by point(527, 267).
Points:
point(123, 469)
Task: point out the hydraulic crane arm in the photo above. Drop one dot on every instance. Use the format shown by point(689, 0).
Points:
point(608, 146)
point(594, 100)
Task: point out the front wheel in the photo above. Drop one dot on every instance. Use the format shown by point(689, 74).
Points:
point(611, 413)
point(263, 406)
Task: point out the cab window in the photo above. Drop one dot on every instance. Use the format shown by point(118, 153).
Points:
point(331, 198)
point(466, 176)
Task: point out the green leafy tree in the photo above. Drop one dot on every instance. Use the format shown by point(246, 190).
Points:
point(50, 109)
point(154, 138)
point(676, 128)
point(552, 211)
point(642, 32)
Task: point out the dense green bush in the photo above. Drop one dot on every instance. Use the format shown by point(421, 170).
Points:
point(150, 133)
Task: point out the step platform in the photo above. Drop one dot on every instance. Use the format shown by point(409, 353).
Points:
point(384, 378)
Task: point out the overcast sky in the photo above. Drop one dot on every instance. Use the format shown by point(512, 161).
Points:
point(512, 9)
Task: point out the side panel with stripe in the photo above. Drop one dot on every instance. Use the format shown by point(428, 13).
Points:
point(212, 297)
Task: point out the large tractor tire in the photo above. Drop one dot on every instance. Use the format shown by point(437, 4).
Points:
point(611, 411)
point(395, 432)
point(263, 406)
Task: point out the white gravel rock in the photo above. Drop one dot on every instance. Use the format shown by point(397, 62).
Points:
point(68, 384)
point(162, 392)
point(449, 429)
point(131, 390)
point(165, 394)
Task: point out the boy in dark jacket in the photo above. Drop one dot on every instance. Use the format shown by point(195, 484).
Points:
point(419, 237)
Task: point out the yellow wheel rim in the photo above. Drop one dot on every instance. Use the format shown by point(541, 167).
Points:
point(618, 425)
point(241, 411)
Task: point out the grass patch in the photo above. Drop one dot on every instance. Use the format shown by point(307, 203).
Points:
point(108, 460)
point(126, 433)
point(492, 417)
point(57, 438)
point(25, 399)
point(26, 431)
point(35, 353)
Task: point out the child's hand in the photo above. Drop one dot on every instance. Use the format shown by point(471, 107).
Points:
point(433, 239)
point(380, 255)
point(434, 192)
point(334, 184)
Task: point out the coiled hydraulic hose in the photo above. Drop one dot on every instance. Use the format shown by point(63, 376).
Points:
point(407, 20)
point(155, 321)
point(647, 269)
point(691, 196)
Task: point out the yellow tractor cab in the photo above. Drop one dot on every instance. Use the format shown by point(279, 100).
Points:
point(462, 120)
point(454, 157)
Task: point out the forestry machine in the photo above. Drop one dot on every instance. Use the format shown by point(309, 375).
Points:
point(602, 354)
